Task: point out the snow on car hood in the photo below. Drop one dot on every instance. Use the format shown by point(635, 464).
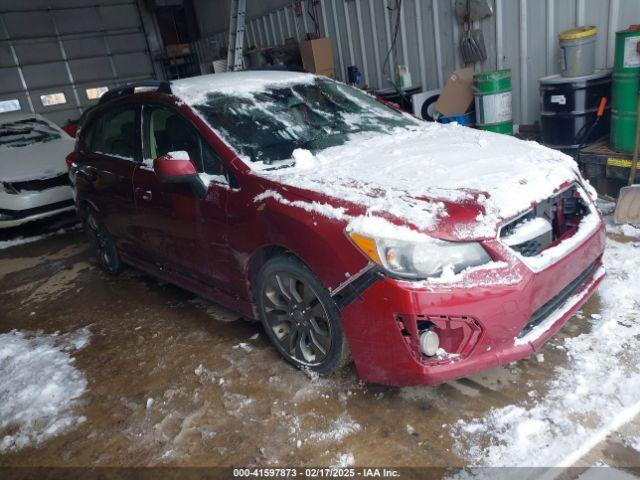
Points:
point(424, 175)
point(39, 160)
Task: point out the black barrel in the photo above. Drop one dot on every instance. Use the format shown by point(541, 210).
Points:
point(568, 108)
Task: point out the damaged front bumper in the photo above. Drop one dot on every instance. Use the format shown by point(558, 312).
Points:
point(495, 318)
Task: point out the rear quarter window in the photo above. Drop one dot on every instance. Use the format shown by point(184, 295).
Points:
point(113, 134)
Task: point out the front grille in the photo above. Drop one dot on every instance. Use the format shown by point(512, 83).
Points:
point(18, 214)
point(552, 305)
point(563, 213)
point(39, 184)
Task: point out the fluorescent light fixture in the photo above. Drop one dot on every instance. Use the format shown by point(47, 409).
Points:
point(96, 92)
point(9, 105)
point(53, 99)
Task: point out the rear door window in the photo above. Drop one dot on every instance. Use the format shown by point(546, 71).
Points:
point(115, 134)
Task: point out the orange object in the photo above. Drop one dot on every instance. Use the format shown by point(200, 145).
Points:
point(603, 103)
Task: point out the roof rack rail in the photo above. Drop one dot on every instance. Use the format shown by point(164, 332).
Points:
point(161, 86)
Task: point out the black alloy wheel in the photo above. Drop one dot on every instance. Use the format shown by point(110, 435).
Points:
point(300, 317)
point(102, 243)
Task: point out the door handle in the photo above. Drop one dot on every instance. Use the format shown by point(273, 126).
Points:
point(144, 194)
point(91, 173)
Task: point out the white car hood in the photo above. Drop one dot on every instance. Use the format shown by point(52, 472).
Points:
point(39, 160)
point(416, 175)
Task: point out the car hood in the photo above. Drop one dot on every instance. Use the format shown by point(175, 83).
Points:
point(446, 180)
point(39, 160)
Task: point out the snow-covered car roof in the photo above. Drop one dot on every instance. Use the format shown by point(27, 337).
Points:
point(194, 90)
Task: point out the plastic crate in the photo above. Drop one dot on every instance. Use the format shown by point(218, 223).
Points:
point(606, 170)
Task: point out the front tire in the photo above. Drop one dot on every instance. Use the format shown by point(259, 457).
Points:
point(102, 242)
point(300, 317)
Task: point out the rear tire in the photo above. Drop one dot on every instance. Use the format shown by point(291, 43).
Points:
point(300, 317)
point(102, 242)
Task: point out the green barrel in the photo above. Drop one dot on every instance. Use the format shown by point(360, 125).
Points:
point(624, 101)
point(493, 101)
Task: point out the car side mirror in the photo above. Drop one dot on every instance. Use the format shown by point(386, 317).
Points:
point(177, 167)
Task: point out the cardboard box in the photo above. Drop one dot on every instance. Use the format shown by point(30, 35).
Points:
point(178, 50)
point(317, 56)
point(457, 94)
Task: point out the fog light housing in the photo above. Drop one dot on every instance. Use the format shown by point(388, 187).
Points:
point(429, 343)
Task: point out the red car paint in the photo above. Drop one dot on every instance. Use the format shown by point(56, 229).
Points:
point(215, 244)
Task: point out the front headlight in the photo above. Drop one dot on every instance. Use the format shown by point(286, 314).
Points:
point(421, 259)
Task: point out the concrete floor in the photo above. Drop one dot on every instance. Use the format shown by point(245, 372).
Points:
point(221, 396)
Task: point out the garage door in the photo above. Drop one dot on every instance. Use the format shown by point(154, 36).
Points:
point(56, 57)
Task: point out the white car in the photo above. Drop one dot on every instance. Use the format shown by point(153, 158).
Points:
point(34, 180)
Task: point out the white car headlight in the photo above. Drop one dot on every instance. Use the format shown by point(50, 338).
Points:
point(418, 260)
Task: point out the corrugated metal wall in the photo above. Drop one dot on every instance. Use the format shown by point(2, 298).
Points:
point(521, 35)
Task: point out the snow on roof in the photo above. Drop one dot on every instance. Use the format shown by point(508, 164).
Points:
point(194, 90)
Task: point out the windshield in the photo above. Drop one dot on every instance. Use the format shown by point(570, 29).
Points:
point(22, 133)
point(268, 126)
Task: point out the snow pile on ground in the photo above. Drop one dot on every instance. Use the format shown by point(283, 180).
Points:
point(39, 386)
point(344, 460)
point(625, 229)
point(594, 393)
point(411, 171)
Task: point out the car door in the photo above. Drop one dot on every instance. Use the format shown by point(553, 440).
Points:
point(183, 231)
point(111, 152)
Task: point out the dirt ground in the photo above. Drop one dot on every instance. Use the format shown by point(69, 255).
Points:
point(175, 380)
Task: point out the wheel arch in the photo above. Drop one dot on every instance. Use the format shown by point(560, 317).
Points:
point(260, 257)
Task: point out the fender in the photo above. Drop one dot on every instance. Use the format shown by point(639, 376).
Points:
point(313, 237)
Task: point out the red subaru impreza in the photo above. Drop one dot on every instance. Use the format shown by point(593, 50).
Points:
point(423, 252)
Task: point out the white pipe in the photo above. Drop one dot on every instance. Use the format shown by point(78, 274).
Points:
point(499, 36)
point(338, 40)
point(612, 26)
point(403, 36)
point(436, 41)
point(455, 28)
point(376, 48)
point(304, 20)
point(279, 18)
point(273, 29)
point(388, 49)
point(363, 51)
point(551, 38)
point(421, 63)
point(347, 20)
point(579, 12)
point(324, 17)
point(524, 80)
point(266, 30)
point(290, 32)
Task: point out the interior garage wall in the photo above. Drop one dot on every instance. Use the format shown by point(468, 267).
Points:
point(68, 46)
point(521, 35)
